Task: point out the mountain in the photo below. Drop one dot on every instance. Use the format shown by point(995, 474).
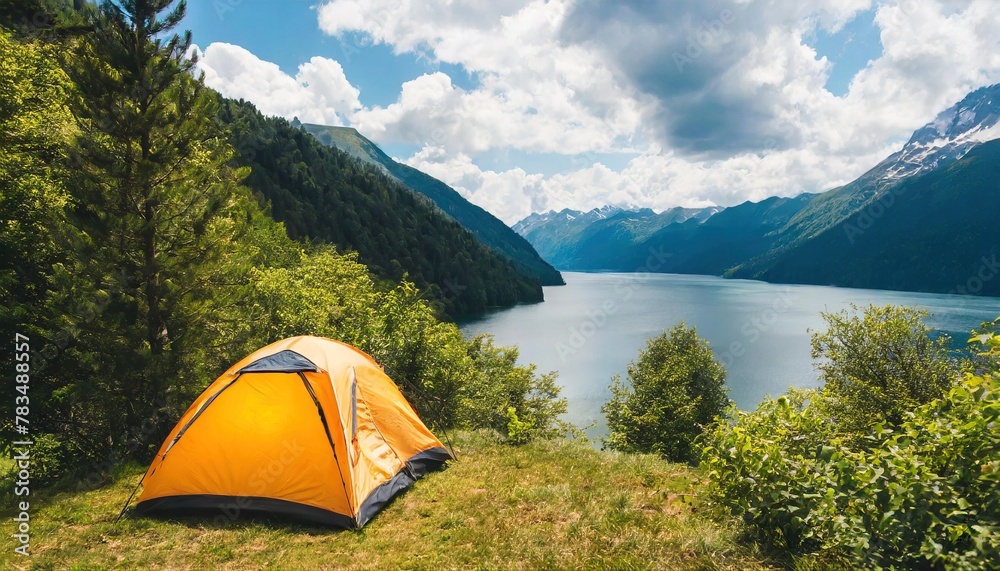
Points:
point(483, 225)
point(324, 194)
point(575, 240)
point(939, 234)
point(720, 242)
point(923, 219)
point(938, 144)
point(553, 232)
point(564, 217)
point(837, 223)
point(948, 138)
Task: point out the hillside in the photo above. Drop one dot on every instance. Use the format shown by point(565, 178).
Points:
point(939, 234)
point(483, 225)
point(324, 194)
point(725, 239)
point(549, 504)
point(934, 148)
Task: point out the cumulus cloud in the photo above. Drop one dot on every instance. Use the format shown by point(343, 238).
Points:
point(722, 72)
point(718, 101)
point(319, 92)
point(432, 110)
point(535, 93)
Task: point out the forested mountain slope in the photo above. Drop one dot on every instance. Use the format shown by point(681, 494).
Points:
point(486, 227)
point(322, 193)
point(938, 234)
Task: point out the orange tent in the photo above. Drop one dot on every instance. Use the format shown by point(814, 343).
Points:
point(306, 427)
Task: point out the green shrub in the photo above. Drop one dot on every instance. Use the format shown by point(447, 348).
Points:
point(674, 389)
point(450, 381)
point(48, 460)
point(985, 344)
point(772, 468)
point(511, 399)
point(518, 431)
point(924, 495)
point(879, 365)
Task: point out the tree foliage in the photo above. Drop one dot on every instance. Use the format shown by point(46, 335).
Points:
point(322, 193)
point(674, 390)
point(512, 399)
point(34, 131)
point(141, 267)
point(919, 494)
point(153, 210)
point(922, 496)
point(878, 365)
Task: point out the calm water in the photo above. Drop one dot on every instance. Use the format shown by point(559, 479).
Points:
point(589, 329)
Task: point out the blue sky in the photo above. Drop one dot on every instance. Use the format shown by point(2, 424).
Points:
point(286, 32)
point(293, 36)
point(526, 105)
point(848, 49)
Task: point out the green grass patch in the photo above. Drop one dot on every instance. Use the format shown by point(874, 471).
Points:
point(547, 505)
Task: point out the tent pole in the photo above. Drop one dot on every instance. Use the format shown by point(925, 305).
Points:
point(129, 500)
point(450, 447)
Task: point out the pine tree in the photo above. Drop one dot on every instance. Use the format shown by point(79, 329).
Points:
point(153, 216)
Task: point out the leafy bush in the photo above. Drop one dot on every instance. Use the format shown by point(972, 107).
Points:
point(674, 389)
point(518, 431)
point(450, 381)
point(924, 494)
point(512, 399)
point(879, 365)
point(770, 468)
point(48, 460)
point(986, 346)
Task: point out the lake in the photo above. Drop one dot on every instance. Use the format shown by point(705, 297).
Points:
point(589, 329)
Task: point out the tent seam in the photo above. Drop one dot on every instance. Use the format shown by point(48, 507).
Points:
point(329, 438)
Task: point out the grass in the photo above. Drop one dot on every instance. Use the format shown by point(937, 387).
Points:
point(547, 505)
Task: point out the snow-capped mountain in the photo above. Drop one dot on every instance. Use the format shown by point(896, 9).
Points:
point(581, 219)
point(565, 215)
point(952, 134)
point(558, 236)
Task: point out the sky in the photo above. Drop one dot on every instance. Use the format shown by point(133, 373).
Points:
point(534, 105)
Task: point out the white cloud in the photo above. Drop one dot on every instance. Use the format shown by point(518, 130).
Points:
point(749, 116)
point(319, 92)
point(659, 181)
point(746, 116)
point(431, 110)
point(535, 92)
